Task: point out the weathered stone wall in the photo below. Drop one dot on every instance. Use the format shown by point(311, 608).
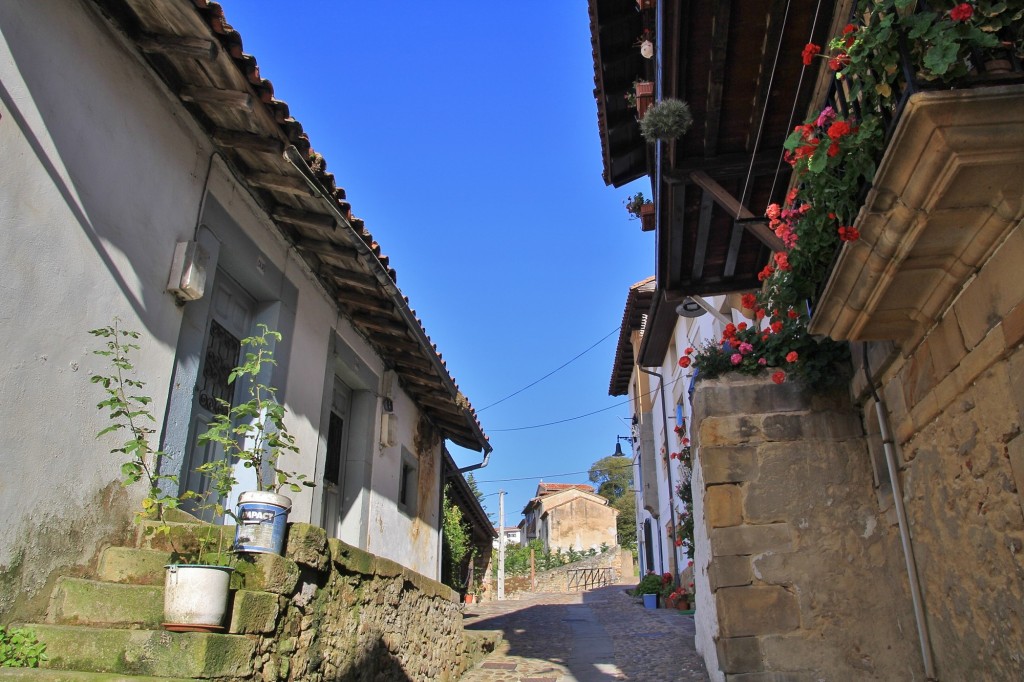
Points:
point(328, 611)
point(956, 403)
point(803, 570)
point(557, 579)
point(580, 523)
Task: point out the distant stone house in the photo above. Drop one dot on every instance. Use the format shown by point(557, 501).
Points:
point(566, 516)
point(138, 135)
point(875, 532)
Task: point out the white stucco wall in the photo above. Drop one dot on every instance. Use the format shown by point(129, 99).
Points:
point(103, 172)
point(98, 182)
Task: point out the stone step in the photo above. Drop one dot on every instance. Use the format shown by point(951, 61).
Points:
point(49, 675)
point(76, 601)
point(189, 655)
point(130, 565)
point(184, 537)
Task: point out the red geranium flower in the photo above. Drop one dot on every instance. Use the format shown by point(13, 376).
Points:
point(782, 260)
point(766, 273)
point(749, 301)
point(792, 356)
point(961, 12)
point(849, 234)
point(776, 327)
point(779, 377)
point(839, 61)
point(839, 129)
point(684, 362)
point(741, 326)
point(810, 50)
point(689, 349)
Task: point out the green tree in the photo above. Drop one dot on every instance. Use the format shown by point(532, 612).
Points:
point(613, 477)
point(471, 480)
point(455, 547)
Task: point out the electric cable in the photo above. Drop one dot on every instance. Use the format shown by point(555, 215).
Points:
point(512, 395)
point(571, 419)
point(571, 473)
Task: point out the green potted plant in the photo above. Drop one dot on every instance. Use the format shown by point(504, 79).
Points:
point(643, 97)
point(196, 590)
point(640, 207)
point(667, 120)
point(253, 432)
point(650, 588)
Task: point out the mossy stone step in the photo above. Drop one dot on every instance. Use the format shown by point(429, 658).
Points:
point(44, 675)
point(137, 566)
point(190, 655)
point(76, 601)
point(184, 537)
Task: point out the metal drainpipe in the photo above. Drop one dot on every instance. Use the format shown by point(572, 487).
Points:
point(901, 516)
point(674, 564)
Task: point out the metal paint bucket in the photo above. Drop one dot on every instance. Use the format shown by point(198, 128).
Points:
point(262, 522)
point(650, 601)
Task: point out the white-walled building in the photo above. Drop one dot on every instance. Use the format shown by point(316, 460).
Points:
point(129, 128)
point(646, 368)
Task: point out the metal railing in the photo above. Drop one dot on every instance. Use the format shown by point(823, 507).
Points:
point(588, 578)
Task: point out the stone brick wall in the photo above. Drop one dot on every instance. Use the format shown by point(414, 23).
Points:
point(956, 402)
point(801, 567)
point(557, 579)
point(328, 611)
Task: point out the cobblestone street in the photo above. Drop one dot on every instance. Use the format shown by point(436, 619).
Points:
point(596, 636)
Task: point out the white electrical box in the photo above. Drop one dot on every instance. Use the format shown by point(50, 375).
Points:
point(188, 271)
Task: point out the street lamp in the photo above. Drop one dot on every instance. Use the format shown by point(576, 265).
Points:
point(618, 445)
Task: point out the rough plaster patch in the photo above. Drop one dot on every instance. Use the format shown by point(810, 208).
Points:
point(869, 527)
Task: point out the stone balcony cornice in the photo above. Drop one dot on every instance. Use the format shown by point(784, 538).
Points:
point(947, 192)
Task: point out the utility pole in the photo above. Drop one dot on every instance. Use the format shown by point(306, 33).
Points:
point(501, 544)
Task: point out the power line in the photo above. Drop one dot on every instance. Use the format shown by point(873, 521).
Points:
point(571, 473)
point(581, 416)
point(562, 366)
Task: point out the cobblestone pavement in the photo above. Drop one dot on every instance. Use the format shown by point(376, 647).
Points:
point(602, 635)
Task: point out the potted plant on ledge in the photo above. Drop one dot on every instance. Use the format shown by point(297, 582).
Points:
point(253, 432)
point(639, 207)
point(196, 593)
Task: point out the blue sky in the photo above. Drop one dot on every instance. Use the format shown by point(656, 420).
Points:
point(465, 135)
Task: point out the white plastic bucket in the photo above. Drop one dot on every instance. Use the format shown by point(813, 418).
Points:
point(195, 597)
point(650, 601)
point(262, 522)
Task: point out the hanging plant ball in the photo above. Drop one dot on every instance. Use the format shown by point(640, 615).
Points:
point(669, 119)
point(647, 49)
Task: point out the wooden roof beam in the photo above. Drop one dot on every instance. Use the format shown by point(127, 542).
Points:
point(716, 77)
point(280, 183)
point(350, 278)
point(315, 221)
point(739, 212)
point(380, 323)
point(178, 46)
point(239, 139)
point(232, 99)
point(326, 249)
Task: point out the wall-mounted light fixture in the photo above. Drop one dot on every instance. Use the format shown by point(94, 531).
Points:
point(618, 445)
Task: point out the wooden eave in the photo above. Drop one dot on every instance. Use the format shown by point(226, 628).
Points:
point(615, 26)
point(736, 65)
point(198, 56)
point(638, 302)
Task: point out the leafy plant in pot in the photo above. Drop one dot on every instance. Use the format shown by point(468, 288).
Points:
point(253, 432)
point(666, 120)
point(196, 593)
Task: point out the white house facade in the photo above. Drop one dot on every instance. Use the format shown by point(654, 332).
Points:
point(130, 128)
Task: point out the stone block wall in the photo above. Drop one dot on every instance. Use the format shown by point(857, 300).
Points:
point(557, 579)
point(328, 611)
point(801, 570)
point(956, 406)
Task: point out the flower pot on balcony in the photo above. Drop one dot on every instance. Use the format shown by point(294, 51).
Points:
point(644, 97)
point(647, 223)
